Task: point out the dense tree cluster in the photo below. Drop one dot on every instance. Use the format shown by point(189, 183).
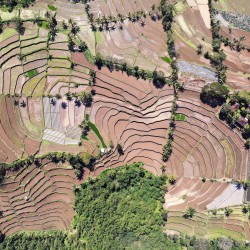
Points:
point(236, 112)
point(9, 5)
point(214, 94)
point(167, 21)
point(218, 56)
point(121, 208)
point(35, 240)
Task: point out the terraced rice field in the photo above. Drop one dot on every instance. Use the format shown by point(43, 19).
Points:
point(38, 198)
point(203, 145)
point(134, 114)
point(30, 68)
point(146, 52)
point(205, 224)
point(126, 111)
point(195, 193)
point(19, 132)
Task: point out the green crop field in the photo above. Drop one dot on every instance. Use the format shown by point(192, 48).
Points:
point(96, 131)
point(52, 8)
point(166, 59)
point(32, 73)
point(180, 117)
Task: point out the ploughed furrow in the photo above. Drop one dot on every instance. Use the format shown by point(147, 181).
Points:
point(134, 114)
point(205, 146)
point(38, 198)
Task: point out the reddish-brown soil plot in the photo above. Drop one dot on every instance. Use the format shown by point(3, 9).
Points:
point(37, 198)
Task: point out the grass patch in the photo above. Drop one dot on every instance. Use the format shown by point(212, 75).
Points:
point(245, 95)
point(96, 131)
point(84, 137)
point(31, 84)
point(99, 38)
point(8, 32)
point(220, 232)
point(39, 90)
point(166, 59)
point(87, 117)
point(230, 156)
point(45, 24)
point(52, 7)
point(180, 117)
point(89, 56)
point(179, 8)
point(32, 73)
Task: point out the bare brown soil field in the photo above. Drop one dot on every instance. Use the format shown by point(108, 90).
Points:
point(136, 44)
point(16, 140)
point(134, 114)
point(100, 8)
point(23, 130)
point(37, 198)
point(195, 193)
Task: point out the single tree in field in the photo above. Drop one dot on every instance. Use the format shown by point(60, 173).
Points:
point(21, 57)
point(64, 25)
point(120, 149)
point(228, 211)
point(244, 210)
point(86, 99)
point(19, 25)
point(74, 29)
point(172, 179)
point(1, 26)
point(189, 213)
point(247, 144)
point(68, 96)
point(58, 96)
point(214, 94)
point(199, 49)
point(23, 104)
point(16, 102)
